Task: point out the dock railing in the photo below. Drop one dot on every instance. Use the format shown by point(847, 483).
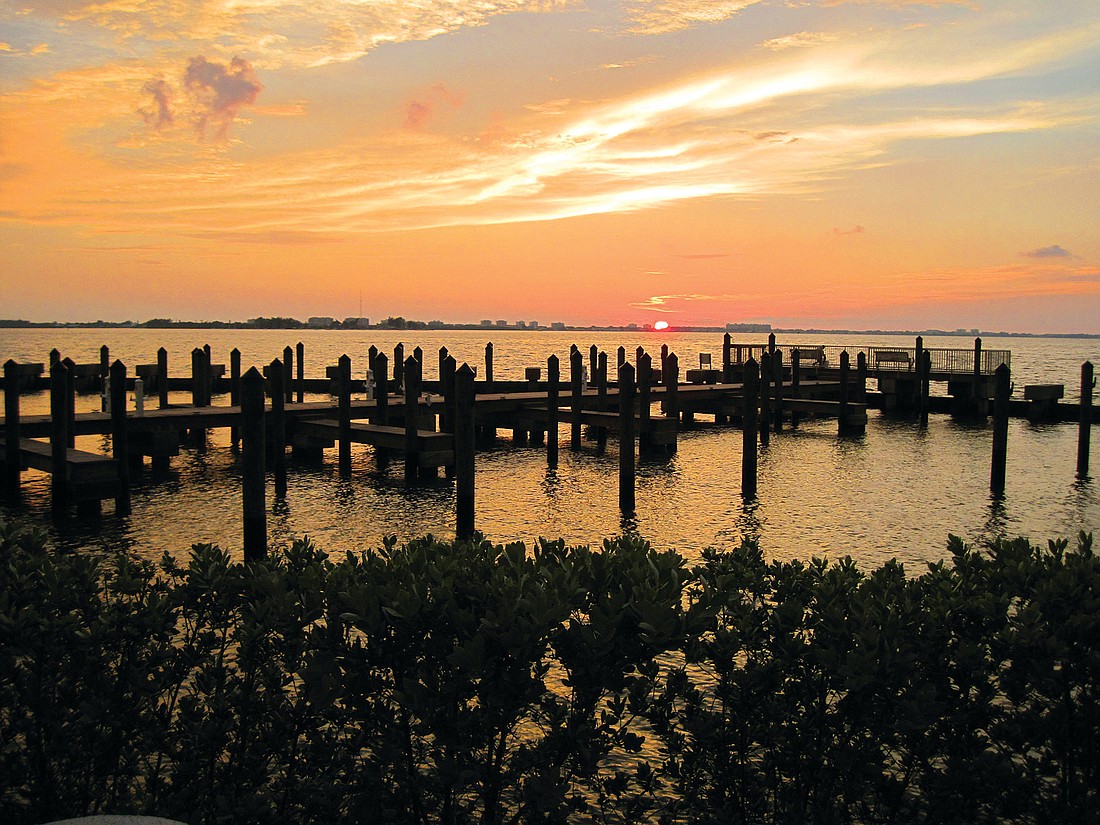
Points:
point(881, 359)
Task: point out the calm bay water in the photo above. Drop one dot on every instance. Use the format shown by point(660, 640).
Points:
point(896, 492)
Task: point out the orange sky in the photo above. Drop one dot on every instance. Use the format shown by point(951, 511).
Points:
point(835, 164)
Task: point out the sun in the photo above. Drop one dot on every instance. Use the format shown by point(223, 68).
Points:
point(661, 325)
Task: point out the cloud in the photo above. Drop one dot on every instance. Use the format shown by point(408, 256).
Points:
point(801, 39)
point(418, 112)
point(220, 91)
point(159, 113)
point(702, 256)
point(673, 15)
point(1054, 251)
point(855, 230)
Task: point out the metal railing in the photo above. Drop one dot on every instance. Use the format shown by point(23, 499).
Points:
point(881, 359)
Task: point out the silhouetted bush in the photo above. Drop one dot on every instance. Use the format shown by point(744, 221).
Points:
point(455, 682)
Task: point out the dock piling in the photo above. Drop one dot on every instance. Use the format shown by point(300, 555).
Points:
point(288, 374)
point(398, 367)
point(924, 371)
point(644, 381)
point(601, 399)
point(750, 413)
point(626, 440)
point(300, 366)
point(796, 380)
point(842, 407)
point(1084, 427)
point(576, 367)
point(343, 401)
point(12, 460)
point(765, 398)
point(463, 379)
point(1002, 388)
point(278, 374)
point(412, 416)
point(59, 436)
point(489, 366)
point(118, 436)
point(253, 492)
point(553, 376)
point(70, 399)
point(162, 378)
point(234, 392)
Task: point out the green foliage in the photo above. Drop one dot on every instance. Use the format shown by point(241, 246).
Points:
point(453, 682)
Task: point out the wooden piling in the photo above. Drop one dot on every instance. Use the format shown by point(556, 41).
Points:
point(55, 356)
point(448, 376)
point(765, 398)
point(553, 376)
point(671, 378)
point(343, 403)
point(118, 436)
point(253, 487)
point(198, 359)
point(626, 440)
point(664, 359)
point(288, 374)
point(645, 381)
point(576, 365)
point(727, 359)
point(924, 371)
point(59, 437)
point(750, 412)
point(464, 449)
point(442, 357)
point(234, 392)
point(104, 367)
point(300, 366)
point(70, 399)
point(162, 377)
point(489, 365)
point(771, 343)
point(593, 362)
point(777, 391)
point(12, 460)
point(842, 406)
point(398, 367)
point(1084, 427)
point(796, 380)
point(412, 414)
point(1002, 389)
point(861, 377)
point(418, 354)
point(620, 357)
point(601, 399)
point(278, 373)
point(207, 376)
point(372, 354)
point(381, 390)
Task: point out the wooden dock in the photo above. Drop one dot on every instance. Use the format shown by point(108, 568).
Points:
point(759, 387)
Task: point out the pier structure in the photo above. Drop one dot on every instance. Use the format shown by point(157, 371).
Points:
point(438, 423)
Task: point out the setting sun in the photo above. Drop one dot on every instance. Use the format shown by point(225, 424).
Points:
point(661, 325)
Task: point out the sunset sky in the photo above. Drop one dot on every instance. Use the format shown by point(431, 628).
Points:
point(826, 163)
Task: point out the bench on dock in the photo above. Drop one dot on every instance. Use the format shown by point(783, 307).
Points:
point(433, 449)
point(893, 359)
point(1043, 401)
point(815, 356)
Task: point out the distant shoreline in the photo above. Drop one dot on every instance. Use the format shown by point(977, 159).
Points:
point(736, 329)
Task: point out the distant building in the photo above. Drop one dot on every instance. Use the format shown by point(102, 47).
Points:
point(631, 326)
point(486, 323)
point(532, 325)
point(502, 323)
point(558, 325)
point(356, 322)
point(320, 322)
point(521, 325)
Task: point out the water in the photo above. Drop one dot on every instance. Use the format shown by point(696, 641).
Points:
point(896, 492)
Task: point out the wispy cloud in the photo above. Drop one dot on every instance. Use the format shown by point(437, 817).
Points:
point(1054, 251)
